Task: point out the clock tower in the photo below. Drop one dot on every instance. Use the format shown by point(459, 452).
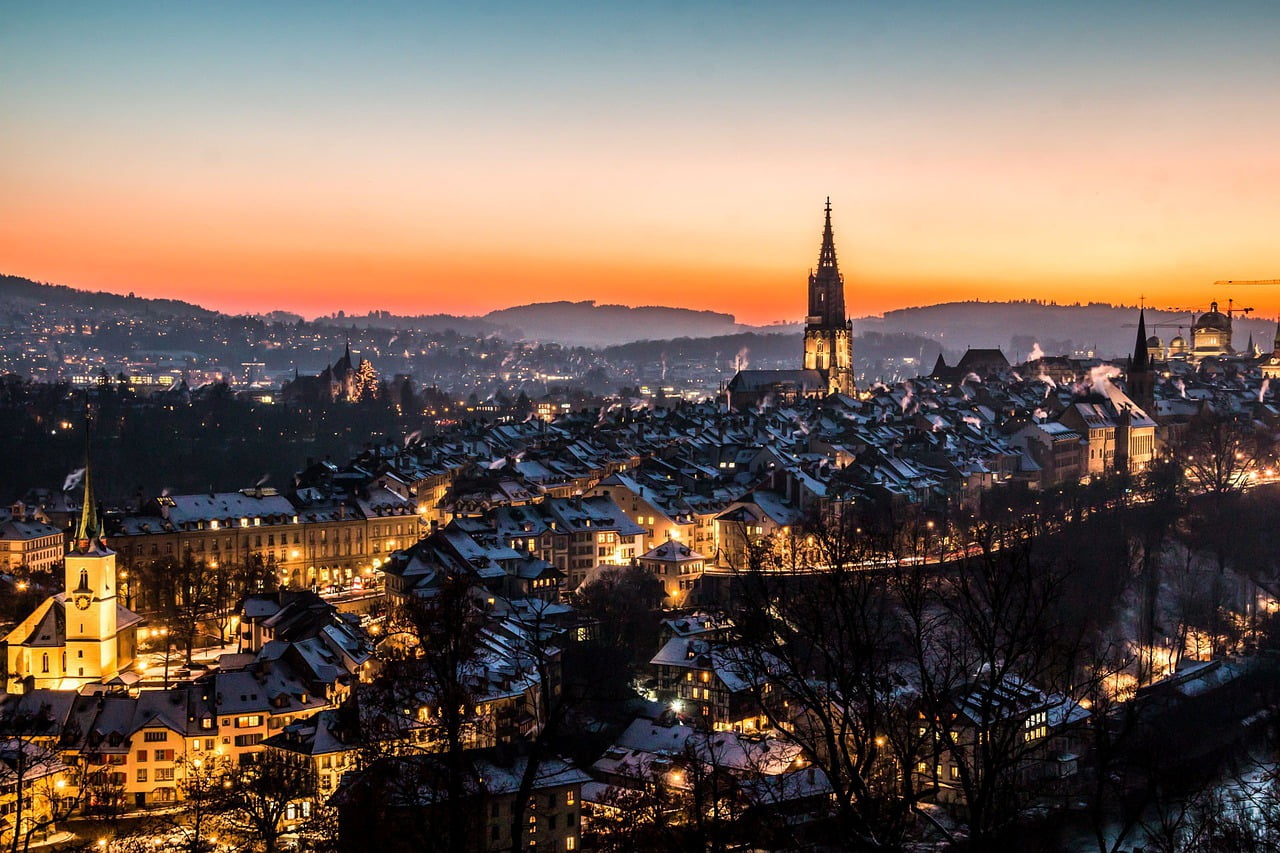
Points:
point(90, 598)
point(81, 635)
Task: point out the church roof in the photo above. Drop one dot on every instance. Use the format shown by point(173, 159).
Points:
point(44, 627)
point(47, 625)
point(764, 380)
point(982, 359)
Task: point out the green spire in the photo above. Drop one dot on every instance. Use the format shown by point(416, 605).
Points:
point(89, 530)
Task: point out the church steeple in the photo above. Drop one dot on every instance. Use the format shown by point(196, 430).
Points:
point(827, 255)
point(1141, 356)
point(89, 529)
point(826, 286)
point(1139, 383)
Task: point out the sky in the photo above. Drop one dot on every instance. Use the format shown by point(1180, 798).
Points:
point(463, 157)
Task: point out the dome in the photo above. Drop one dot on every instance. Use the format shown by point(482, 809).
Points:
point(1212, 319)
point(1178, 344)
point(1154, 342)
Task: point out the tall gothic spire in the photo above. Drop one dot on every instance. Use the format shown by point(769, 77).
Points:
point(1141, 360)
point(827, 255)
point(826, 287)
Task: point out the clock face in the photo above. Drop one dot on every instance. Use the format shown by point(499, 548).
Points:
point(82, 602)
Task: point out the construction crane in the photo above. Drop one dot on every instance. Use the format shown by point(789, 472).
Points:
point(1255, 283)
point(1190, 312)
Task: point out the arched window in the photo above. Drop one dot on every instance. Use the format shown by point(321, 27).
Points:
point(45, 663)
point(84, 578)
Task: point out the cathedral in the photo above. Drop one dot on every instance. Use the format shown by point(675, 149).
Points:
point(828, 334)
point(827, 367)
point(82, 635)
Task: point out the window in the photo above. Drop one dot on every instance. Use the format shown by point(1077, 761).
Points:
point(249, 740)
point(955, 772)
point(164, 755)
point(155, 737)
point(164, 774)
point(46, 663)
point(142, 774)
point(570, 798)
point(142, 756)
point(571, 843)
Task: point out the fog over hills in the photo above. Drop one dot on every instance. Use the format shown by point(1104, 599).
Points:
point(1015, 327)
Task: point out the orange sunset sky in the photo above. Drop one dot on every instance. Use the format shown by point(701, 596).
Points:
point(424, 159)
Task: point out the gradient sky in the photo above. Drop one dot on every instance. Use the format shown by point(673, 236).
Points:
point(432, 158)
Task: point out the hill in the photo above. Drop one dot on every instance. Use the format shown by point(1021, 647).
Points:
point(19, 293)
point(589, 324)
point(1017, 327)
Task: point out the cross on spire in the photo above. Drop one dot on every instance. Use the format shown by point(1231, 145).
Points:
point(827, 255)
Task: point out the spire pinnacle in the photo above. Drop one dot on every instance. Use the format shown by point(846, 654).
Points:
point(827, 255)
point(1141, 360)
point(89, 529)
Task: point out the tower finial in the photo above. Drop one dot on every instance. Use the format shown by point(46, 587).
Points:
point(89, 529)
point(827, 255)
point(1141, 360)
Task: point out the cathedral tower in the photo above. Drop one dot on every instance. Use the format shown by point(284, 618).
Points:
point(828, 334)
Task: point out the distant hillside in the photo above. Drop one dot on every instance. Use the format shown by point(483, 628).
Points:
point(589, 324)
point(426, 323)
point(1016, 327)
point(24, 294)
